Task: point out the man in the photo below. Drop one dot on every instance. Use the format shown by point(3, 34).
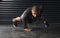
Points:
point(30, 15)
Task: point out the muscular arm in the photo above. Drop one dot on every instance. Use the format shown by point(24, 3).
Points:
point(25, 13)
point(24, 17)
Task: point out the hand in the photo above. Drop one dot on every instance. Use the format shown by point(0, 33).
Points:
point(27, 29)
point(16, 19)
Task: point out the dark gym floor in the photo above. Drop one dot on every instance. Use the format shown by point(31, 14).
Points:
point(7, 31)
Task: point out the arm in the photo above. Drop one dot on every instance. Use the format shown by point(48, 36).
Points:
point(21, 17)
point(25, 23)
point(45, 21)
point(24, 17)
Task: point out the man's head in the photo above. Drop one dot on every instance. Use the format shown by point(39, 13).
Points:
point(35, 11)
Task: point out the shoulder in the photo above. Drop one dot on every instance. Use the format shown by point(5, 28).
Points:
point(28, 9)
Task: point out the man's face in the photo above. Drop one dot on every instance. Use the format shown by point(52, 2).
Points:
point(34, 12)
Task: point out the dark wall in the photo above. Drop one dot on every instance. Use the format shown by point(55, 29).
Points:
point(10, 9)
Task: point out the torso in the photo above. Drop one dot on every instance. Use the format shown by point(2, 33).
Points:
point(31, 19)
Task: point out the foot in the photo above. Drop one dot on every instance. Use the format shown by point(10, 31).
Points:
point(27, 29)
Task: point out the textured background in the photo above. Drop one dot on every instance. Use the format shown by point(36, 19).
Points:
point(13, 8)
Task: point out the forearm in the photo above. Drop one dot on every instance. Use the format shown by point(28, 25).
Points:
point(25, 23)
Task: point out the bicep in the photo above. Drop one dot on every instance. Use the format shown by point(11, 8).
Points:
point(24, 15)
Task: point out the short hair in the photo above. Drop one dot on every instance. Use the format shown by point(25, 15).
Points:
point(36, 8)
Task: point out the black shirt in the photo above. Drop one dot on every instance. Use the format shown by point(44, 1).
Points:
point(28, 18)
